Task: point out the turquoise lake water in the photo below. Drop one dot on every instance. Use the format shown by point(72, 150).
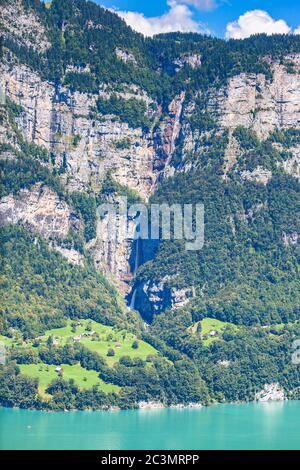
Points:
point(245, 426)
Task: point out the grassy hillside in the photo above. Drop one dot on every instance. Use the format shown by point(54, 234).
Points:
point(89, 365)
point(102, 339)
point(84, 379)
point(109, 343)
point(210, 329)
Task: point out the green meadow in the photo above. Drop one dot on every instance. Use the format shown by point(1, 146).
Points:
point(105, 338)
point(208, 325)
point(83, 378)
point(94, 336)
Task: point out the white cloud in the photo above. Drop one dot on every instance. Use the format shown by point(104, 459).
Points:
point(178, 18)
point(297, 31)
point(200, 4)
point(255, 22)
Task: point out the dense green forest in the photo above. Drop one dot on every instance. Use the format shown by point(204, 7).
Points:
point(241, 361)
point(250, 276)
point(40, 289)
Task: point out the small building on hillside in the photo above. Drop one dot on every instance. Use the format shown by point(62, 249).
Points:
point(76, 339)
point(213, 333)
point(90, 334)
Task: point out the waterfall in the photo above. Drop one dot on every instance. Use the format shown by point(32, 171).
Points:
point(136, 260)
point(132, 301)
point(136, 265)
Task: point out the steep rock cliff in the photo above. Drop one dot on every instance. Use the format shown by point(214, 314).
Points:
point(251, 101)
point(86, 146)
point(40, 208)
point(21, 24)
point(52, 117)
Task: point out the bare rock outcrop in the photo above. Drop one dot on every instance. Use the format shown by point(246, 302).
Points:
point(252, 101)
point(61, 122)
point(292, 165)
point(259, 175)
point(112, 251)
point(22, 25)
point(71, 255)
point(192, 60)
point(39, 207)
point(155, 297)
point(270, 392)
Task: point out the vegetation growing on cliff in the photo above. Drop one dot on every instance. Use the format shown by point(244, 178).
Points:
point(245, 272)
point(85, 205)
point(84, 34)
point(266, 154)
point(132, 111)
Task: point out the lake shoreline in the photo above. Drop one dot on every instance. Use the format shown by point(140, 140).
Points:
point(150, 406)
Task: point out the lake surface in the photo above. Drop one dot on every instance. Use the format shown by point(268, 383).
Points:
point(246, 426)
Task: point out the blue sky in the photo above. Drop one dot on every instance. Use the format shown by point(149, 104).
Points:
point(212, 16)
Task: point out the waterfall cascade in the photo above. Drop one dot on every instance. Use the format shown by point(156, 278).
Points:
point(132, 301)
point(136, 265)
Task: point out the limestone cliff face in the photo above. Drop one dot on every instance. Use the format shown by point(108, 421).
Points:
point(252, 101)
point(8, 139)
point(256, 103)
point(61, 121)
point(22, 25)
point(40, 208)
point(112, 251)
point(168, 134)
point(53, 117)
point(44, 212)
point(89, 146)
point(71, 255)
point(154, 297)
point(259, 175)
point(193, 60)
point(292, 165)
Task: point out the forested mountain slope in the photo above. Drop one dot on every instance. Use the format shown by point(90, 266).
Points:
point(92, 110)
